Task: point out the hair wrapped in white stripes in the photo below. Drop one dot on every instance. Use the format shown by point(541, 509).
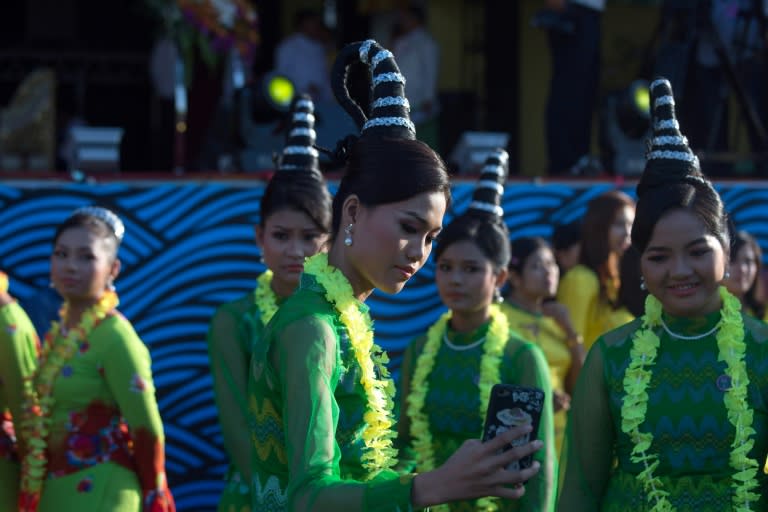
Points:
point(299, 153)
point(486, 199)
point(389, 112)
point(668, 145)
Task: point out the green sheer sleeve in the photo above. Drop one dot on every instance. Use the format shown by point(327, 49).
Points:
point(407, 458)
point(128, 374)
point(230, 335)
point(528, 367)
point(307, 357)
point(18, 355)
point(588, 451)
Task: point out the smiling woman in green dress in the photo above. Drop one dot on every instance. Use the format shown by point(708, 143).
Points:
point(319, 388)
point(669, 412)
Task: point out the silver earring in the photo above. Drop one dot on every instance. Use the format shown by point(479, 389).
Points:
point(497, 296)
point(727, 274)
point(111, 286)
point(51, 285)
point(348, 238)
point(642, 283)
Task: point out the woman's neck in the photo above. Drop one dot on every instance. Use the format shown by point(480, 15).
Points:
point(361, 288)
point(468, 321)
point(529, 304)
point(75, 310)
point(282, 288)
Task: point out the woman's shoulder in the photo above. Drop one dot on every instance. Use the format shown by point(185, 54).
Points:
point(620, 335)
point(12, 314)
point(581, 273)
point(518, 346)
point(237, 307)
point(114, 329)
point(756, 329)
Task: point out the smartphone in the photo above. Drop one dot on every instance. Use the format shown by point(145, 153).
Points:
point(510, 406)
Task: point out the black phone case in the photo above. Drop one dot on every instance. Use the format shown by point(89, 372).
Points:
point(510, 406)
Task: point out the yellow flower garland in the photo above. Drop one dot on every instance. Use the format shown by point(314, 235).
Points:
point(495, 341)
point(266, 300)
point(379, 390)
point(3, 282)
point(732, 350)
point(38, 398)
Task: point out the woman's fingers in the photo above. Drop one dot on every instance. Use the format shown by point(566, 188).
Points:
point(503, 459)
point(506, 438)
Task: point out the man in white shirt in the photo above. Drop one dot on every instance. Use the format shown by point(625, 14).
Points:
point(302, 57)
point(418, 57)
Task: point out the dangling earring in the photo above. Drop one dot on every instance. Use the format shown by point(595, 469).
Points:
point(348, 238)
point(51, 285)
point(726, 274)
point(111, 286)
point(642, 283)
point(497, 298)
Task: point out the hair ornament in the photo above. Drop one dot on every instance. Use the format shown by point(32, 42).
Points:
point(668, 152)
point(299, 153)
point(486, 198)
point(388, 113)
point(108, 217)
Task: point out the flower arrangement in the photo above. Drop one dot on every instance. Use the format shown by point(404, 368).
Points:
point(213, 27)
point(266, 300)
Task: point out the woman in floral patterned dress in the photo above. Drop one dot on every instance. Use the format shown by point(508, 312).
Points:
point(91, 427)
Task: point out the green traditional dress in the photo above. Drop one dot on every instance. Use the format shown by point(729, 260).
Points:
point(686, 415)
point(18, 360)
point(308, 404)
point(235, 328)
point(453, 406)
point(106, 445)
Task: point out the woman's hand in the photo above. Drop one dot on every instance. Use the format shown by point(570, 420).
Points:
point(561, 401)
point(477, 470)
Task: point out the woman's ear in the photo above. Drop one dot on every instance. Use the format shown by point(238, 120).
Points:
point(115, 270)
point(501, 277)
point(350, 210)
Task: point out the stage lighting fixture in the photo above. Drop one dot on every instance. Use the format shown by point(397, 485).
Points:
point(625, 124)
point(271, 97)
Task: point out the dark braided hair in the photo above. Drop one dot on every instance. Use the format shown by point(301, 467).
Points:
point(385, 164)
point(672, 178)
point(483, 222)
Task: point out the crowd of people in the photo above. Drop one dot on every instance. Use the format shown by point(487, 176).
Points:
point(642, 324)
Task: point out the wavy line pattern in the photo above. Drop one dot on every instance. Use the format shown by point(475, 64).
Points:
point(189, 247)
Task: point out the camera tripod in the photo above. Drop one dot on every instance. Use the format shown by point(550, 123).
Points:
point(683, 24)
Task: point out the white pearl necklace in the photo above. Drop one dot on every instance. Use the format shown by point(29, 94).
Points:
point(460, 348)
point(688, 338)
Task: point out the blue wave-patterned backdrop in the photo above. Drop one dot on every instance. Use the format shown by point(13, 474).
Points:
point(190, 247)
